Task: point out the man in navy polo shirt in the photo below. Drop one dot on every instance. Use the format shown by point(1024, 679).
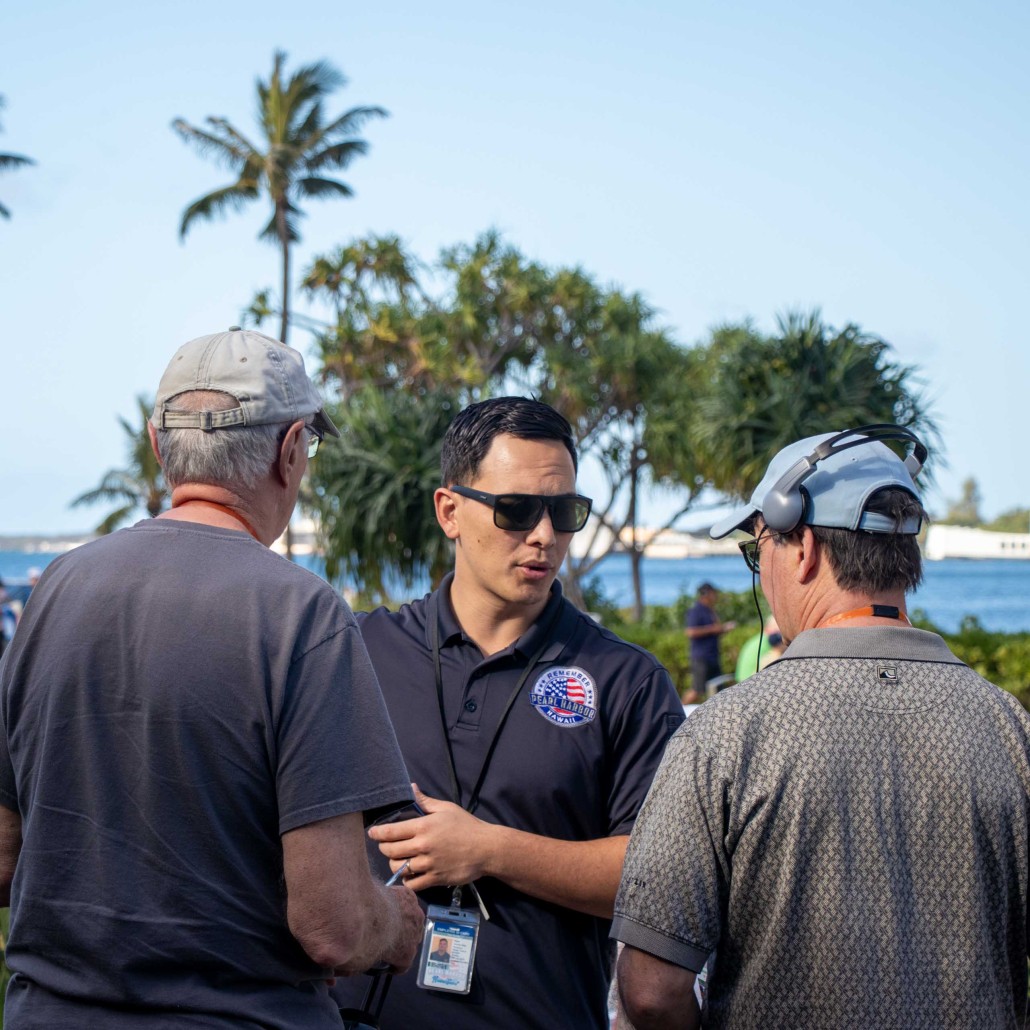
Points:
point(704, 628)
point(532, 734)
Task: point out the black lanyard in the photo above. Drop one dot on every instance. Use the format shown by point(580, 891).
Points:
point(434, 618)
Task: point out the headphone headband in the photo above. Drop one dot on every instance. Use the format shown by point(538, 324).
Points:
point(783, 507)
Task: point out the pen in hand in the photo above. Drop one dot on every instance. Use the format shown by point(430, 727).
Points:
point(395, 879)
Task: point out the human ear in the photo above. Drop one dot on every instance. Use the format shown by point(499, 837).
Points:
point(807, 555)
point(292, 452)
point(446, 512)
point(152, 433)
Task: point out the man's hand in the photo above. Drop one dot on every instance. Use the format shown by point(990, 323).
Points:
point(445, 847)
point(403, 911)
point(411, 922)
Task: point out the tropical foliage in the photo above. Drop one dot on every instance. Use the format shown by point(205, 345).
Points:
point(498, 322)
point(762, 392)
point(646, 411)
point(1002, 658)
point(8, 162)
point(1015, 520)
point(373, 490)
point(138, 486)
point(966, 510)
point(298, 147)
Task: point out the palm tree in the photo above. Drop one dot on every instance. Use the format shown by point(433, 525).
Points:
point(299, 147)
point(373, 490)
point(139, 485)
point(764, 392)
point(9, 161)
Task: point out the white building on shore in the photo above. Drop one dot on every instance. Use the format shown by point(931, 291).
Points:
point(964, 542)
point(671, 543)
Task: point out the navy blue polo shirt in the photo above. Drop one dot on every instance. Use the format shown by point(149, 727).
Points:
point(573, 760)
point(703, 649)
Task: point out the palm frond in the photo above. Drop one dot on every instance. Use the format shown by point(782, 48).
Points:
point(223, 149)
point(9, 161)
point(351, 121)
point(339, 155)
point(270, 232)
point(311, 186)
point(231, 133)
point(229, 198)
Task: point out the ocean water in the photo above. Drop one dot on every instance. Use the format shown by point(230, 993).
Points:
point(997, 592)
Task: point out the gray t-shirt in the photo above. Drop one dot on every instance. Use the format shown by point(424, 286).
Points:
point(178, 697)
point(848, 832)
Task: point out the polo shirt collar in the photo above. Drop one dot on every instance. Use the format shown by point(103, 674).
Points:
point(899, 643)
point(530, 641)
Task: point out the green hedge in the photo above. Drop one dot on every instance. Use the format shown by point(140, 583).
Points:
point(1003, 658)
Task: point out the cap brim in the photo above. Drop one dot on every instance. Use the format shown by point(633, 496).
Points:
point(733, 521)
point(324, 423)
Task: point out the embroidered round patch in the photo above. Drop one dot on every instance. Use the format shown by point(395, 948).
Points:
point(564, 697)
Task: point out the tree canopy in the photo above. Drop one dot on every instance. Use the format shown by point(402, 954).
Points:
point(1014, 520)
point(139, 485)
point(410, 344)
point(765, 391)
point(966, 510)
point(501, 322)
point(298, 146)
point(8, 162)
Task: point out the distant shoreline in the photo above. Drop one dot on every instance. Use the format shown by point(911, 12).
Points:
point(57, 544)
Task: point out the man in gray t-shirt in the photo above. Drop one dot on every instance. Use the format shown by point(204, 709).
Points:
point(191, 735)
point(842, 840)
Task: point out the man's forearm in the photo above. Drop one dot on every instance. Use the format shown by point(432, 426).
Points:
point(10, 848)
point(655, 994)
point(449, 846)
point(581, 875)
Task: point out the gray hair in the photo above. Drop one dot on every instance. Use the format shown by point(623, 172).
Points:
point(235, 457)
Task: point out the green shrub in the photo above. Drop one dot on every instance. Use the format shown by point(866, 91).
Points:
point(1002, 658)
point(661, 631)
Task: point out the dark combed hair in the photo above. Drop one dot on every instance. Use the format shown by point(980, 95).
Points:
point(470, 435)
point(877, 562)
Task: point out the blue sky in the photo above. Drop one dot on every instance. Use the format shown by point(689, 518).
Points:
point(727, 160)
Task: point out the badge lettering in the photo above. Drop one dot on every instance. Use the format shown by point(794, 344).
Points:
point(565, 697)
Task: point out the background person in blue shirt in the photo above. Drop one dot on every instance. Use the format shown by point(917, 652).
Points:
point(703, 629)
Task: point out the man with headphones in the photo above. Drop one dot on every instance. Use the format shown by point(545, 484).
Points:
point(843, 839)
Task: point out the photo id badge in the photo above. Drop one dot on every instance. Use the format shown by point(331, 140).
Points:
point(449, 949)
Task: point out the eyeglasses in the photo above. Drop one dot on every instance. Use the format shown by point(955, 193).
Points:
point(751, 550)
point(522, 512)
point(314, 440)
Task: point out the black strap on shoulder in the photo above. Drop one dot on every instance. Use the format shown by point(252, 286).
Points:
point(456, 792)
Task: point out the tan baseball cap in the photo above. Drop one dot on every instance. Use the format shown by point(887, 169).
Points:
point(265, 376)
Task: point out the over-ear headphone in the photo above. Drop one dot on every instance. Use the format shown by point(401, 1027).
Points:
point(783, 507)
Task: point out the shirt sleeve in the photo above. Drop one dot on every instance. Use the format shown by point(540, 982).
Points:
point(675, 881)
point(337, 751)
point(639, 731)
point(699, 616)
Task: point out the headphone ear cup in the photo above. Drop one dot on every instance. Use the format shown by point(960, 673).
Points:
point(782, 510)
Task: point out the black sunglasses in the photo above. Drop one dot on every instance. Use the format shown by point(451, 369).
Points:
point(522, 512)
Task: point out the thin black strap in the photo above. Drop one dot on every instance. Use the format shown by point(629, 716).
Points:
point(473, 800)
point(434, 630)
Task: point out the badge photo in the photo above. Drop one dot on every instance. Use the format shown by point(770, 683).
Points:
point(565, 696)
point(448, 949)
